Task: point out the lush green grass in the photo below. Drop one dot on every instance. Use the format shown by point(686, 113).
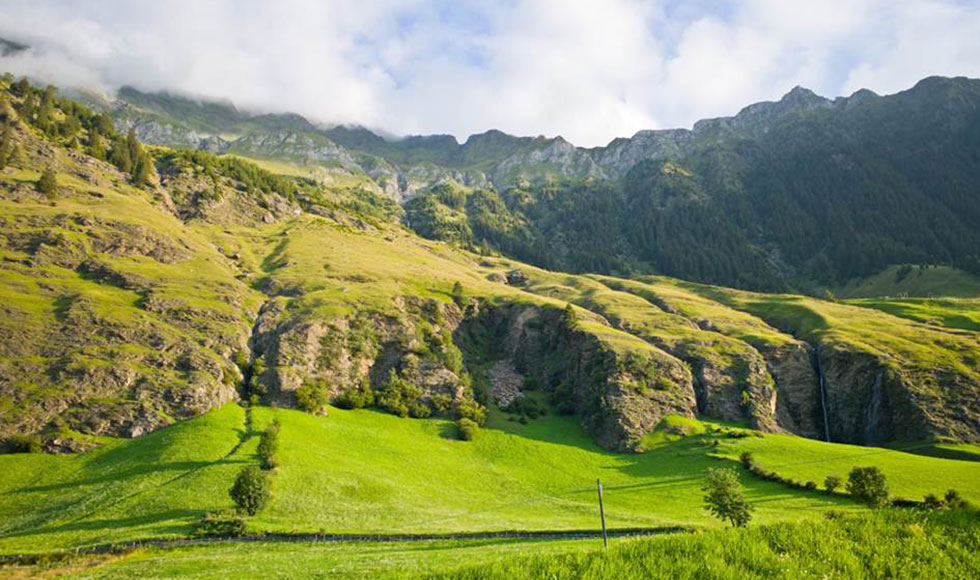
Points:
point(922, 281)
point(369, 471)
point(949, 312)
point(308, 560)
point(157, 485)
point(910, 476)
point(365, 471)
point(887, 544)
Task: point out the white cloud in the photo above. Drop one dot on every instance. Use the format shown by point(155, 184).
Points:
point(589, 70)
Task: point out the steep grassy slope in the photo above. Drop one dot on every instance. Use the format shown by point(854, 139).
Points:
point(131, 307)
point(116, 317)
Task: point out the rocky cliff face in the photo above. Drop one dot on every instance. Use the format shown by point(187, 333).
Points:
point(412, 339)
point(620, 396)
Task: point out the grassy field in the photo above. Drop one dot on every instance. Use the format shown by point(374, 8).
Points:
point(887, 544)
point(366, 471)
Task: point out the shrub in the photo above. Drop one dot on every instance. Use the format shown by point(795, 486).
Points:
point(748, 461)
point(868, 485)
point(24, 444)
point(402, 398)
point(358, 396)
point(312, 397)
point(954, 500)
point(473, 411)
point(832, 483)
point(268, 448)
point(810, 485)
point(467, 429)
point(220, 525)
point(931, 502)
point(251, 490)
point(724, 498)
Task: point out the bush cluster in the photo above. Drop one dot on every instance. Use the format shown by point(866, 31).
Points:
point(525, 408)
point(951, 500)
point(868, 485)
point(401, 397)
point(23, 443)
point(467, 429)
point(220, 525)
point(313, 397)
point(268, 448)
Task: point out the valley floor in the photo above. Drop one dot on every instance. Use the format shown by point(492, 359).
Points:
point(365, 471)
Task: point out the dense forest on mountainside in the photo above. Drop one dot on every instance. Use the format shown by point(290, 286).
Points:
point(805, 193)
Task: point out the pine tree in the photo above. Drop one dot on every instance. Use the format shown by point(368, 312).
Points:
point(120, 156)
point(141, 174)
point(6, 146)
point(23, 87)
point(103, 125)
point(96, 148)
point(45, 111)
point(48, 183)
point(27, 109)
point(133, 145)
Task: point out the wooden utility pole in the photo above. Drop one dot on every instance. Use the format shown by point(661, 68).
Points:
point(602, 515)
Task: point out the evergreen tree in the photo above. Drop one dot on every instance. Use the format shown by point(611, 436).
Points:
point(143, 170)
point(23, 87)
point(28, 108)
point(45, 111)
point(120, 156)
point(48, 183)
point(103, 125)
point(96, 147)
point(6, 146)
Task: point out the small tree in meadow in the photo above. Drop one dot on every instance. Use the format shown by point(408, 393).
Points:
point(723, 496)
point(458, 295)
point(251, 490)
point(868, 485)
point(832, 483)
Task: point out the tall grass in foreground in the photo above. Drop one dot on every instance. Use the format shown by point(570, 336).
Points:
point(884, 544)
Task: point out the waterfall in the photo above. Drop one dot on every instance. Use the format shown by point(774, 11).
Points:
point(823, 395)
point(872, 415)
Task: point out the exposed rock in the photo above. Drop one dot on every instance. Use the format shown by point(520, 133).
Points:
point(505, 383)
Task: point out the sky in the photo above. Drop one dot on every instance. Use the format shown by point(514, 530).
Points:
point(588, 70)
